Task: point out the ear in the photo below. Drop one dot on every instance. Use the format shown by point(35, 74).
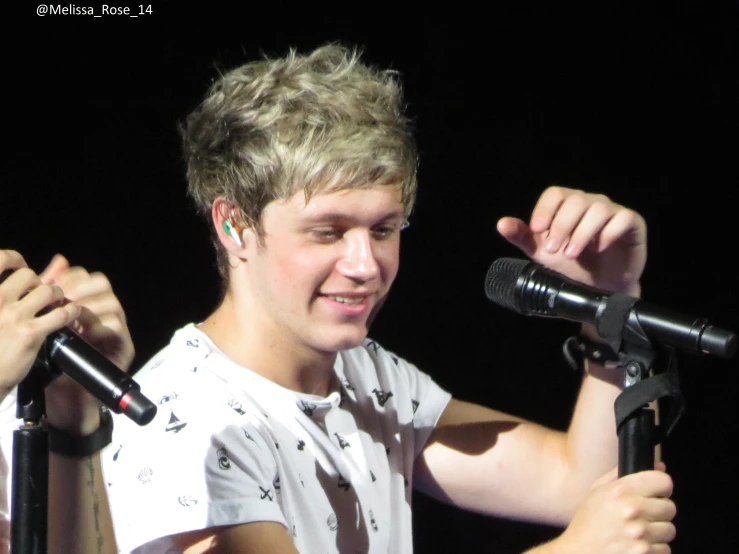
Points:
point(229, 228)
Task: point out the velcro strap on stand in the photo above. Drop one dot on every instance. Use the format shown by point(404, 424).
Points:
point(611, 322)
point(664, 387)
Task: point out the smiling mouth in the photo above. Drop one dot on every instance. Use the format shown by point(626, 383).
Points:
point(349, 300)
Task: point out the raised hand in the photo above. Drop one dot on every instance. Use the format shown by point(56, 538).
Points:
point(586, 237)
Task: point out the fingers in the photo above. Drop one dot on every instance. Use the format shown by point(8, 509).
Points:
point(56, 267)
point(91, 290)
point(571, 220)
point(10, 259)
point(625, 226)
point(650, 483)
point(17, 284)
point(102, 321)
point(518, 233)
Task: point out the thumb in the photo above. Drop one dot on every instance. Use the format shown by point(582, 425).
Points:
point(516, 232)
point(609, 477)
point(58, 265)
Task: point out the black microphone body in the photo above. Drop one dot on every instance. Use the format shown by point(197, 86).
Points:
point(67, 352)
point(531, 289)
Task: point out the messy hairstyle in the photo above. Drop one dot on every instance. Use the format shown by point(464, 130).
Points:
point(319, 123)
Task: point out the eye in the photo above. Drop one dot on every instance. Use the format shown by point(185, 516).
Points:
point(328, 234)
point(383, 231)
point(388, 230)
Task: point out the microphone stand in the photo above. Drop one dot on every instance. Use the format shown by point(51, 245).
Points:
point(636, 425)
point(30, 470)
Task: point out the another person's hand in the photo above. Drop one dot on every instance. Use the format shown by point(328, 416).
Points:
point(586, 237)
point(22, 330)
point(102, 323)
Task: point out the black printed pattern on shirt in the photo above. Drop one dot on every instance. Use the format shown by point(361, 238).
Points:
point(235, 405)
point(222, 456)
point(342, 443)
point(266, 494)
point(174, 425)
point(168, 398)
point(373, 523)
point(382, 396)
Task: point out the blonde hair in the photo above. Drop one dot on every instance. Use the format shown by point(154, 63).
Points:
point(319, 122)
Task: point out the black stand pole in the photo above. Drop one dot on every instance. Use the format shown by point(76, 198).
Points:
point(638, 433)
point(636, 437)
point(30, 471)
point(30, 482)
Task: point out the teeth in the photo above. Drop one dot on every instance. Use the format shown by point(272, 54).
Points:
point(353, 301)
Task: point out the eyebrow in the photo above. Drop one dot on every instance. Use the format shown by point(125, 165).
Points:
point(343, 218)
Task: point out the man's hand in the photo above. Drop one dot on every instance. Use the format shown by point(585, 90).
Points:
point(586, 237)
point(626, 515)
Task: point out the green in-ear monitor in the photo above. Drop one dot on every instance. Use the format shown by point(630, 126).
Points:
point(233, 231)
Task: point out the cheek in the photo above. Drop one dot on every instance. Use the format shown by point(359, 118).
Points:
point(307, 269)
point(389, 262)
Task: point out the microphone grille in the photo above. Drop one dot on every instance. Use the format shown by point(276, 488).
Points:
point(500, 281)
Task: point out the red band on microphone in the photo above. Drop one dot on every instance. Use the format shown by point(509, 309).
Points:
point(125, 399)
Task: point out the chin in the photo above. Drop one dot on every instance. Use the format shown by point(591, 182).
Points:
point(343, 341)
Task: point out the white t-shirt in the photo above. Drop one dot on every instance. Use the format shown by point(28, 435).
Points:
point(228, 446)
point(8, 424)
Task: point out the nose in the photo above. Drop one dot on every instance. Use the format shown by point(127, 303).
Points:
point(358, 260)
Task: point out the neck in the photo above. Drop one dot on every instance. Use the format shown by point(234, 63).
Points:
point(255, 344)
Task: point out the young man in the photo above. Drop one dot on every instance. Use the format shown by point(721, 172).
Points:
point(282, 428)
point(31, 307)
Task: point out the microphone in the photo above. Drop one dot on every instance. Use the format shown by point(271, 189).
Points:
point(531, 289)
point(66, 351)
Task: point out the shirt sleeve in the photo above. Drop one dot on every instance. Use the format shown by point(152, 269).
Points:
point(422, 397)
point(241, 477)
point(196, 465)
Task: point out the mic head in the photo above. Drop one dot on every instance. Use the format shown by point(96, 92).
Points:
point(501, 279)
point(718, 342)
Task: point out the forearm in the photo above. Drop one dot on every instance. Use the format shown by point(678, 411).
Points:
point(592, 440)
point(548, 548)
point(79, 515)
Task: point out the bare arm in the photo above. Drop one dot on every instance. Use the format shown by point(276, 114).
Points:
point(489, 462)
point(249, 538)
point(79, 516)
point(79, 513)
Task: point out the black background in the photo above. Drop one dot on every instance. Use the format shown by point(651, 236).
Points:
point(633, 101)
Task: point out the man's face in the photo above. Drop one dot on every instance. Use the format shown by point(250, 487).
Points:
point(325, 266)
